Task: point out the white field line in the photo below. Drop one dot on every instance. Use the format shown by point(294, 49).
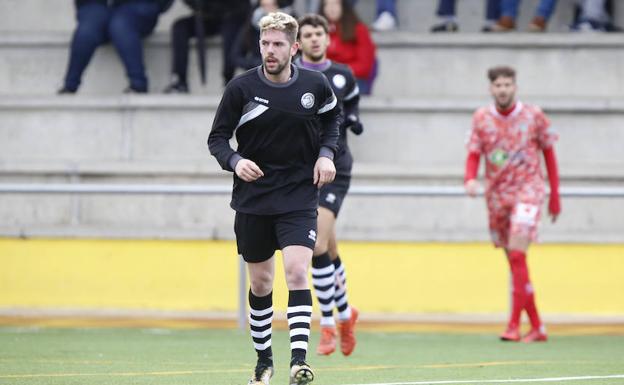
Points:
point(504, 381)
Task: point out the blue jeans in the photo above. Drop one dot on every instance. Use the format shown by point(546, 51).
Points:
point(124, 26)
point(387, 6)
point(446, 8)
point(545, 8)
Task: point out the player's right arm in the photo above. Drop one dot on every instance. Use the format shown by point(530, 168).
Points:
point(226, 120)
point(471, 184)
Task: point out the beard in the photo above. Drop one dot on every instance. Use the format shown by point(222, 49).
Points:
point(316, 58)
point(505, 102)
point(278, 70)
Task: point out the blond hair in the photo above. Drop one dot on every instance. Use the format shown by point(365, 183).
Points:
point(280, 21)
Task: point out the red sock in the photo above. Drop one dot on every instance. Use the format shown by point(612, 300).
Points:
point(531, 309)
point(520, 280)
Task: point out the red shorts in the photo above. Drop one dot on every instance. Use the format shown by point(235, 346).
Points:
point(516, 213)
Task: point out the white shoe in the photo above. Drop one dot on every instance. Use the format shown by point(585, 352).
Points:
point(385, 22)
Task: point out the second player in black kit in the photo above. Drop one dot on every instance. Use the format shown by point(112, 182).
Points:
point(328, 271)
point(286, 122)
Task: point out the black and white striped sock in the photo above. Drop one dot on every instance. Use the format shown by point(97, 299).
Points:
point(340, 296)
point(323, 280)
point(299, 315)
point(260, 324)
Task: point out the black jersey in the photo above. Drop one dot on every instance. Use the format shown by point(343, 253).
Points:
point(345, 88)
point(282, 128)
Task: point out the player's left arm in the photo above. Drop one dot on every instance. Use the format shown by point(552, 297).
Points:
point(351, 105)
point(547, 138)
point(330, 115)
point(554, 203)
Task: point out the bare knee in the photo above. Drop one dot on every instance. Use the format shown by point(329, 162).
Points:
point(297, 277)
point(261, 283)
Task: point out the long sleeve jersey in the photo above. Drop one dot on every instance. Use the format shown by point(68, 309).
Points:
point(345, 88)
point(282, 127)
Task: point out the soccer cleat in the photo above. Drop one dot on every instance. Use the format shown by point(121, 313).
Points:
point(262, 373)
point(327, 344)
point(347, 333)
point(511, 334)
point(535, 335)
point(301, 374)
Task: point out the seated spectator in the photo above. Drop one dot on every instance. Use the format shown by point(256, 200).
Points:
point(509, 13)
point(210, 17)
point(351, 43)
point(124, 23)
point(387, 19)
point(448, 23)
point(594, 16)
point(246, 51)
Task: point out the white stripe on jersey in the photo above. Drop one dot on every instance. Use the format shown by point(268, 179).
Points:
point(354, 93)
point(254, 113)
point(329, 106)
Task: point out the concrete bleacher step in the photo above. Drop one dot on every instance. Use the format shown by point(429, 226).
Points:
point(162, 139)
point(416, 134)
point(411, 65)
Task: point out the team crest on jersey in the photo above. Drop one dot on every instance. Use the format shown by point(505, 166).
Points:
point(339, 81)
point(307, 100)
point(498, 157)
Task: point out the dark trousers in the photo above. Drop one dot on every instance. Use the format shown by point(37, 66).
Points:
point(492, 9)
point(124, 26)
point(184, 29)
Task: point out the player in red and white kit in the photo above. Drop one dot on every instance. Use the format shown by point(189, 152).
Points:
point(511, 136)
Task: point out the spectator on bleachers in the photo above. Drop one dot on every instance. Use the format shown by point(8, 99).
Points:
point(246, 51)
point(209, 17)
point(448, 22)
point(351, 43)
point(509, 13)
point(594, 16)
point(387, 19)
point(124, 23)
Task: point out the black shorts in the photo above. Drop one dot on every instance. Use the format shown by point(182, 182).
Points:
point(333, 194)
point(258, 236)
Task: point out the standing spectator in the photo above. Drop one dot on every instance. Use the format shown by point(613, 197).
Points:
point(511, 136)
point(124, 23)
point(212, 17)
point(350, 42)
point(509, 14)
point(245, 52)
point(387, 19)
point(448, 23)
point(328, 272)
point(286, 121)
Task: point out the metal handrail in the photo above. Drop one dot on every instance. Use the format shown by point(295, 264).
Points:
point(203, 189)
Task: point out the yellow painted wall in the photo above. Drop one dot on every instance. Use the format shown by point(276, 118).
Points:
point(382, 277)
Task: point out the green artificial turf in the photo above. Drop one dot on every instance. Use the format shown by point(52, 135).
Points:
point(111, 356)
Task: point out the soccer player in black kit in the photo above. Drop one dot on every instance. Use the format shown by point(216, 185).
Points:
point(287, 126)
point(328, 274)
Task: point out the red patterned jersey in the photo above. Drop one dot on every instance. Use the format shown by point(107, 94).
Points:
point(512, 147)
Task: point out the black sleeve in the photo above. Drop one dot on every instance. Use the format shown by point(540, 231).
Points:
point(226, 119)
point(331, 118)
point(351, 102)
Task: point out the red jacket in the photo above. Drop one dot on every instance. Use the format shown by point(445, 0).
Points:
point(358, 54)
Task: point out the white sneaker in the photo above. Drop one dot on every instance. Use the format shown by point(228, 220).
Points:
point(385, 22)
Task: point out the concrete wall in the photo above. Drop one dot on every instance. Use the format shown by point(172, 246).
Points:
point(162, 140)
